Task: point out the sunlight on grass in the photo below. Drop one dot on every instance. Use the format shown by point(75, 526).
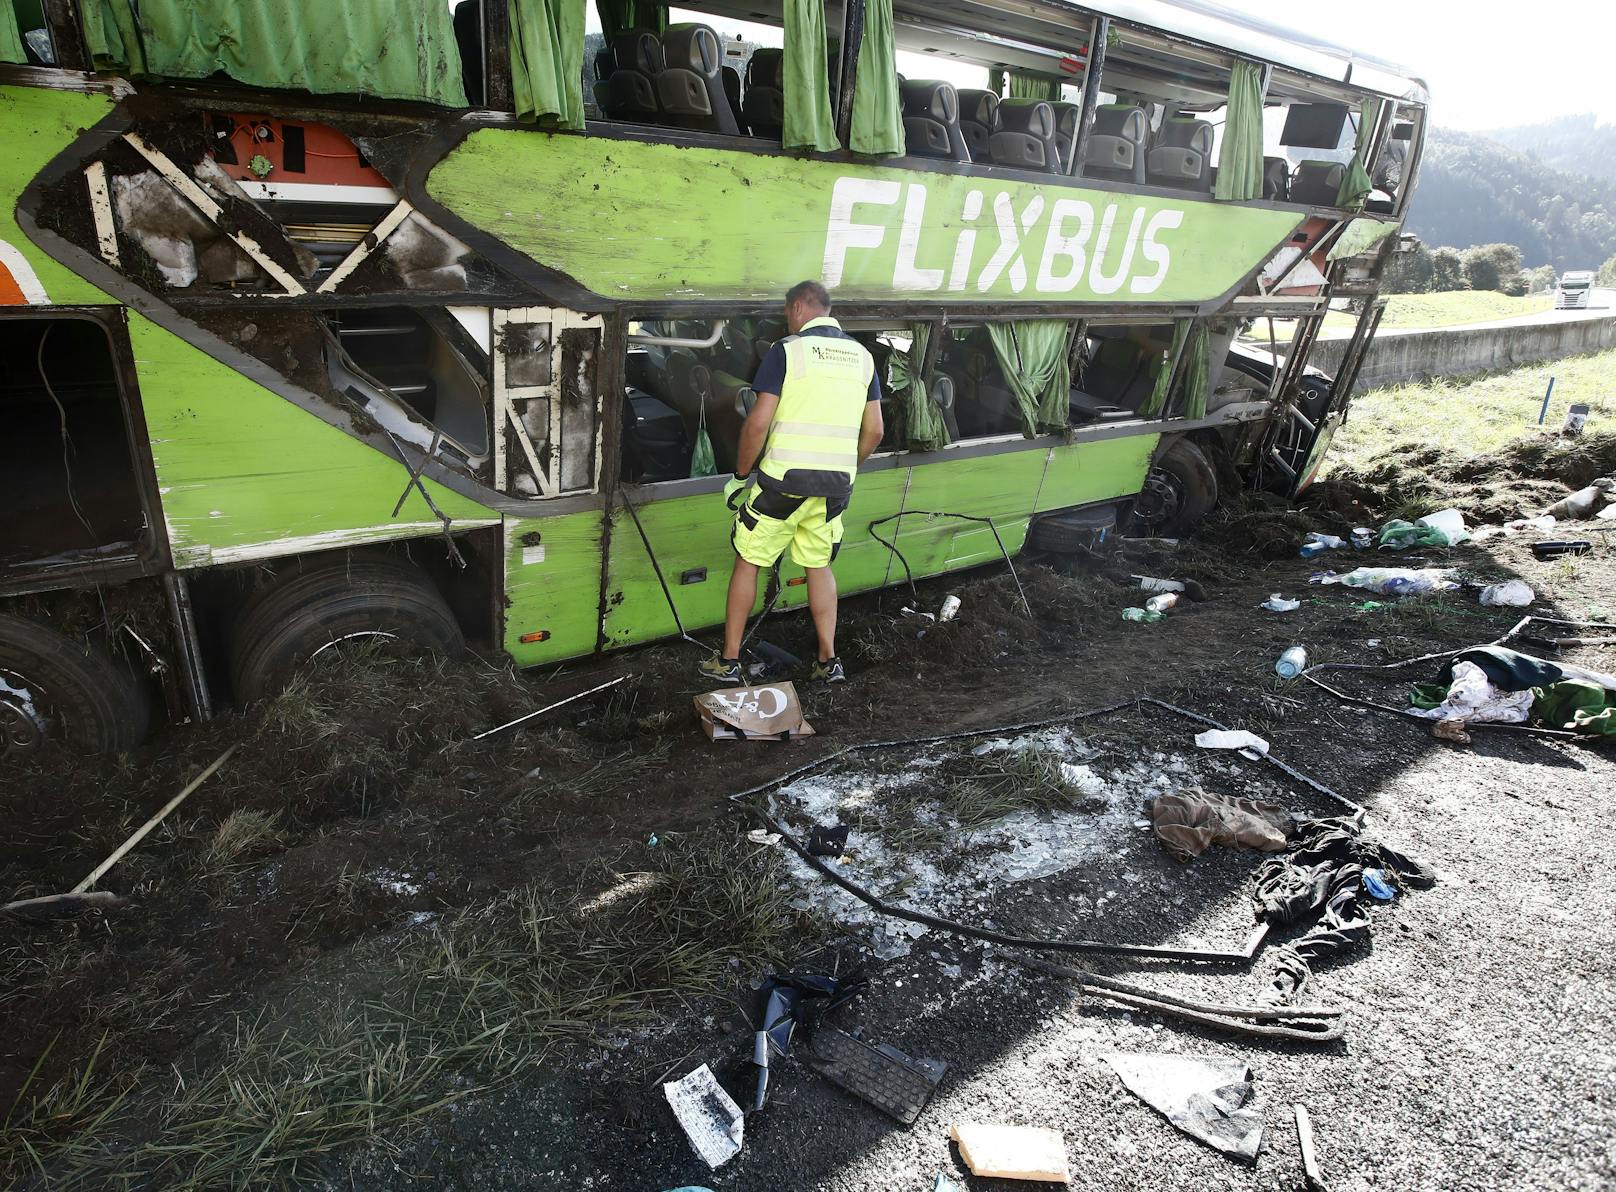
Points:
point(1449, 309)
point(1478, 415)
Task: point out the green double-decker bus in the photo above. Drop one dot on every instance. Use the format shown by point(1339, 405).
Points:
point(336, 319)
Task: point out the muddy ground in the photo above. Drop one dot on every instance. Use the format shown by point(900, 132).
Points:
point(375, 896)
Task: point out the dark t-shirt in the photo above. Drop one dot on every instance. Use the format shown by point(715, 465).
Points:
point(771, 374)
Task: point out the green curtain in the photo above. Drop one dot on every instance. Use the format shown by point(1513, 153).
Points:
point(547, 61)
point(10, 38)
point(1025, 85)
point(1197, 370)
point(620, 16)
point(810, 123)
point(1240, 161)
point(877, 111)
point(1157, 401)
point(1355, 187)
point(925, 427)
point(1577, 706)
point(1032, 355)
point(379, 48)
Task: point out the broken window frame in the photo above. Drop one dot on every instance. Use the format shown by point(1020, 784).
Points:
point(508, 426)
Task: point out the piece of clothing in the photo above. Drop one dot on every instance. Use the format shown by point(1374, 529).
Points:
point(1320, 880)
point(1471, 697)
point(825, 383)
point(1207, 1097)
point(1506, 669)
point(1576, 706)
point(771, 521)
point(1192, 821)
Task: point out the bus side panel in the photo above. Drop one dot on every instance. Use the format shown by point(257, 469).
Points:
point(690, 536)
point(1082, 473)
point(245, 474)
point(552, 586)
point(1002, 487)
point(863, 563)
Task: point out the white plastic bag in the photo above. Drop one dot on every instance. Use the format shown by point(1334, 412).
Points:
point(1514, 593)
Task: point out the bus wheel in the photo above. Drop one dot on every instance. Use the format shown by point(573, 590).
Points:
point(54, 687)
point(1181, 489)
point(312, 611)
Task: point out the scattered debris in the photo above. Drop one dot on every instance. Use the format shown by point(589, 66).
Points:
point(1232, 738)
point(951, 605)
point(763, 836)
point(897, 1084)
point(1189, 587)
point(1379, 883)
point(548, 708)
point(1192, 821)
point(1585, 503)
point(1453, 730)
point(767, 713)
point(1208, 1099)
point(1310, 1161)
point(1147, 615)
point(1472, 696)
point(1513, 593)
point(1553, 550)
point(1317, 544)
point(1393, 581)
point(943, 1184)
point(1279, 604)
point(74, 900)
point(1320, 879)
point(1012, 1152)
point(1162, 603)
point(709, 1116)
point(828, 842)
point(1291, 663)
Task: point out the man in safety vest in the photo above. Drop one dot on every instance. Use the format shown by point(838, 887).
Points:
point(817, 418)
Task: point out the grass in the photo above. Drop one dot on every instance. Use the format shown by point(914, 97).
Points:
point(243, 835)
point(420, 1022)
point(1451, 308)
point(1476, 415)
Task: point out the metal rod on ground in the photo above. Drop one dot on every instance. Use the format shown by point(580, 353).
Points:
point(550, 708)
point(141, 832)
point(1544, 412)
point(1310, 1161)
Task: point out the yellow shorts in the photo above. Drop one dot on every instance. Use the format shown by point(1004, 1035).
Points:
point(771, 521)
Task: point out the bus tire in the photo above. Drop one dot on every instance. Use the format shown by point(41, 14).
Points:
point(55, 686)
point(310, 608)
point(1180, 490)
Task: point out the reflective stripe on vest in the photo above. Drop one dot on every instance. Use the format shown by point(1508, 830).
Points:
point(816, 426)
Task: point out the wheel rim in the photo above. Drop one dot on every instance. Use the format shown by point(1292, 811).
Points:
point(24, 726)
point(1161, 498)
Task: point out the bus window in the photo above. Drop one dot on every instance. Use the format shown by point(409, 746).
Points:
point(984, 405)
point(545, 401)
point(36, 37)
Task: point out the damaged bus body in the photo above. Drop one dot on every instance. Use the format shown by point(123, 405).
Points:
point(337, 319)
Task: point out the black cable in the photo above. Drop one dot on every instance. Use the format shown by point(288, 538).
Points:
point(61, 413)
point(909, 575)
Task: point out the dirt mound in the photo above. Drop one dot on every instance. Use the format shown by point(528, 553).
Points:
point(1518, 480)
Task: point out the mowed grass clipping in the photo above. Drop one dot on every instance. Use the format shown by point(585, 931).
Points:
point(1474, 416)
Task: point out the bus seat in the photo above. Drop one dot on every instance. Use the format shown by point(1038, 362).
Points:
point(727, 407)
point(931, 126)
point(1115, 150)
point(764, 106)
point(1068, 118)
point(1317, 183)
point(1181, 156)
point(1026, 136)
point(731, 78)
point(1276, 179)
point(941, 392)
point(630, 86)
point(690, 88)
point(979, 120)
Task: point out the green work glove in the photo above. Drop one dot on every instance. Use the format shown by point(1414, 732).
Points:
point(735, 490)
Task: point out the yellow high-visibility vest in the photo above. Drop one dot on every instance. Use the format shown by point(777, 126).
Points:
point(813, 442)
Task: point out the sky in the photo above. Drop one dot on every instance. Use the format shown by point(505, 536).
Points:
point(1488, 64)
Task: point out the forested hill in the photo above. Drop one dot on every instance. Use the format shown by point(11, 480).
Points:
point(1476, 190)
point(1576, 144)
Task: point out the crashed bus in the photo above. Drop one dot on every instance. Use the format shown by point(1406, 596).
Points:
point(329, 320)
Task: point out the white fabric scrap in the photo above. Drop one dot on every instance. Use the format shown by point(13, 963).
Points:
point(1217, 738)
point(1514, 593)
point(1473, 699)
point(711, 1119)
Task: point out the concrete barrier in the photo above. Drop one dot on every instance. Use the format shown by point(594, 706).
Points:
point(1398, 356)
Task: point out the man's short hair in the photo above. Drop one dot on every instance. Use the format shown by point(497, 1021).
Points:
point(812, 293)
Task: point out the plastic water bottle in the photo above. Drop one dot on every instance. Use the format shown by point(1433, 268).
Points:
point(1291, 663)
point(1160, 604)
point(1140, 614)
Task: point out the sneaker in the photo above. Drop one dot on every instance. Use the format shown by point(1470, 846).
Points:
point(829, 671)
point(721, 670)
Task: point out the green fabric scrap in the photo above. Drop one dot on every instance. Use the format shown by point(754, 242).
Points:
point(1400, 535)
point(1032, 355)
point(1361, 236)
point(1240, 160)
point(810, 122)
point(1355, 186)
point(702, 462)
point(1576, 706)
point(877, 109)
point(1157, 401)
point(329, 47)
point(1197, 370)
point(11, 47)
point(547, 61)
point(925, 427)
